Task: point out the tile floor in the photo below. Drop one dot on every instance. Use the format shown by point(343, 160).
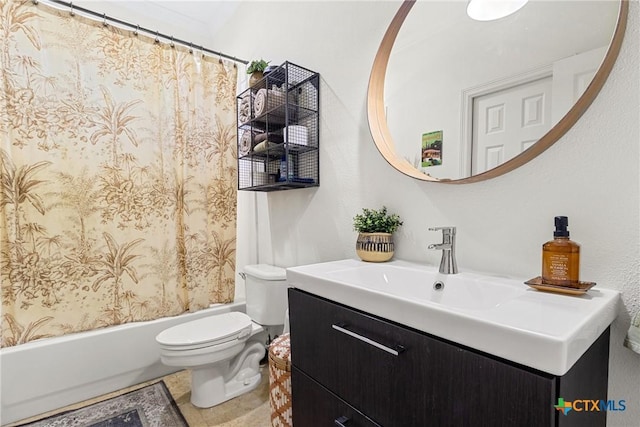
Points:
point(249, 410)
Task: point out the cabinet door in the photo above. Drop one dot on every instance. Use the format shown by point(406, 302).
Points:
point(315, 406)
point(401, 377)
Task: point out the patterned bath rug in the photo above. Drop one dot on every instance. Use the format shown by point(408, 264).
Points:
point(149, 406)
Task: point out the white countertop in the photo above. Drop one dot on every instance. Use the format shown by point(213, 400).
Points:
point(499, 316)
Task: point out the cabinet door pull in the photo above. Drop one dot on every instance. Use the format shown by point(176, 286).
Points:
point(342, 328)
point(341, 421)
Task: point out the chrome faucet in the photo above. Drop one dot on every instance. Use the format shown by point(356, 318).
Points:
point(448, 246)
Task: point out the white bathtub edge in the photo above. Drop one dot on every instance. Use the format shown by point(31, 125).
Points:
point(48, 374)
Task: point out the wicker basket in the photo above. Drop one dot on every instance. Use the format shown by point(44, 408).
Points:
point(280, 381)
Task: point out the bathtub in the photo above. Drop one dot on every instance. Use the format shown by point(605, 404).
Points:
point(47, 374)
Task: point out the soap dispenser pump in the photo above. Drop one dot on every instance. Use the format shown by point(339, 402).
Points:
point(561, 257)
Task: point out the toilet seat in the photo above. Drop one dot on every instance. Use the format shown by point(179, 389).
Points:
point(206, 332)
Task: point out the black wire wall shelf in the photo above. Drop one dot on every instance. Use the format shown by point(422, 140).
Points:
point(278, 131)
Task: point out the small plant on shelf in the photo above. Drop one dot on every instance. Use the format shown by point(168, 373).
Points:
point(259, 65)
point(375, 234)
point(376, 221)
point(256, 69)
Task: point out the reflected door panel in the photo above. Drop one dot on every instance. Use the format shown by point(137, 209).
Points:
point(571, 77)
point(507, 122)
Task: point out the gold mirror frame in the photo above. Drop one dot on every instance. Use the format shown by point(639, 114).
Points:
point(386, 145)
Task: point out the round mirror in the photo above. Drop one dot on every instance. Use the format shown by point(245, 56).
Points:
point(456, 100)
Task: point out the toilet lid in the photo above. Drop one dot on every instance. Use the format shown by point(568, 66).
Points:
point(266, 272)
point(208, 331)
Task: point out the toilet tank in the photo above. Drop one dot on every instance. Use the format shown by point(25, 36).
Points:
point(266, 291)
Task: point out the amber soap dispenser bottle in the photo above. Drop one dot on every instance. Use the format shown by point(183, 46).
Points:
point(561, 257)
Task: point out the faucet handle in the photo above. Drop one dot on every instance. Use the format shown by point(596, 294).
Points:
point(445, 230)
point(448, 233)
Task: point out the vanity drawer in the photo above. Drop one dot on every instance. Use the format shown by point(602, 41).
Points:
point(400, 377)
point(365, 361)
point(315, 406)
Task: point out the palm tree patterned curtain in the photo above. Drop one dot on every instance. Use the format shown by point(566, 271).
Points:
point(117, 155)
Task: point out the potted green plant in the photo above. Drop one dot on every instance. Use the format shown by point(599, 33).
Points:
point(256, 69)
point(375, 234)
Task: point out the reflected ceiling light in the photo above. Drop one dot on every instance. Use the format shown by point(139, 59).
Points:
point(488, 10)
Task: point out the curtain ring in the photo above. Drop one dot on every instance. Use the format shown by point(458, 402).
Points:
point(191, 48)
point(71, 12)
point(35, 2)
point(202, 50)
point(157, 40)
point(104, 19)
point(219, 58)
point(171, 42)
point(135, 32)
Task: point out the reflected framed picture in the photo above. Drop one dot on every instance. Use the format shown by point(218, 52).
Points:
point(431, 152)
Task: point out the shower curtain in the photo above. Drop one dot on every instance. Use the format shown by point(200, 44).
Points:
point(118, 163)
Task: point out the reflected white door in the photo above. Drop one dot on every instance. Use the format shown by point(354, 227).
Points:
point(507, 122)
point(571, 77)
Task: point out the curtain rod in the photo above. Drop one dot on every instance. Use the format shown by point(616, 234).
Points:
point(138, 28)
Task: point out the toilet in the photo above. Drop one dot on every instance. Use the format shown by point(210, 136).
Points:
point(224, 351)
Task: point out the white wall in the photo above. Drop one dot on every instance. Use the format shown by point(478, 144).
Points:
point(591, 174)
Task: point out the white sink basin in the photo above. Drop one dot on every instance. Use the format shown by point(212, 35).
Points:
point(499, 316)
point(405, 280)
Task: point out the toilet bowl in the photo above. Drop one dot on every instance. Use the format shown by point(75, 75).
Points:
point(224, 351)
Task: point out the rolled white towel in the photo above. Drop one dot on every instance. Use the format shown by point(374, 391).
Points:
point(632, 340)
point(266, 100)
point(263, 146)
point(244, 110)
point(244, 146)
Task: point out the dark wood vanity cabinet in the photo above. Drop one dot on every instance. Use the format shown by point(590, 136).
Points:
point(324, 408)
point(354, 369)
